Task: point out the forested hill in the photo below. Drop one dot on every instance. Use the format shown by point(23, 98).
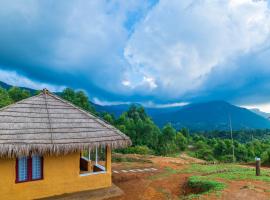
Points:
point(7, 86)
point(212, 115)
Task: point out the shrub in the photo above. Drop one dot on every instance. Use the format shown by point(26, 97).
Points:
point(143, 150)
point(203, 185)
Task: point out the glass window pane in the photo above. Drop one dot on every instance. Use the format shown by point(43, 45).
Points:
point(22, 169)
point(36, 167)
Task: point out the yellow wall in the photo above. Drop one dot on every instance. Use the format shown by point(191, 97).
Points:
point(61, 175)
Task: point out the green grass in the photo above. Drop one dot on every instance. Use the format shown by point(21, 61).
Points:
point(167, 172)
point(203, 185)
point(127, 159)
point(228, 172)
point(211, 178)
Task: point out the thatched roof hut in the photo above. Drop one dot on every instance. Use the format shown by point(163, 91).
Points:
point(47, 124)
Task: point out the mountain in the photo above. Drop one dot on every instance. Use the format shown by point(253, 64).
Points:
point(198, 116)
point(213, 115)
point(7, 86)
point(117, 110)
point(4, 85)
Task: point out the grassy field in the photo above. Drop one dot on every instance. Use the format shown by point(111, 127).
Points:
point(213, 178)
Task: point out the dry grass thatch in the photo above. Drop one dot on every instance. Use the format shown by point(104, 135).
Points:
point(47, 124)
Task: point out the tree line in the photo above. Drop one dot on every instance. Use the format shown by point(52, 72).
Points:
point(148, 138)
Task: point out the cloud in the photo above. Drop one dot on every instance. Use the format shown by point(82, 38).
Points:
point(12, 78)
point(73, 43)
point(148, 104)
point(180, 43)
point(162, 51)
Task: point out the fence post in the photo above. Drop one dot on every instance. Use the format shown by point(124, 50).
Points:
point(258, 166)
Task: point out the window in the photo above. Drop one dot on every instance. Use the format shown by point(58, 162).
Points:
point(29, 168)
point(36, 168)
point(93, 161)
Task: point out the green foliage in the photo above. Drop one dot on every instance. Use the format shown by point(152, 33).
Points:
point(139, 127)
point(122, 158)
point(221, 149)
point(203, 185)
point(143, 150)
point(266, 156)
point(147, 138)
point(181, 141)
point(18, 94)
point(108, 117)
point(78, 98)
point(228, 172)
point(4, 98)
point(167, 141)
point(210, 178)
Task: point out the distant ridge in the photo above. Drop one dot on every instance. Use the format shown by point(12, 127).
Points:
point(7, 86)
point(212, 115)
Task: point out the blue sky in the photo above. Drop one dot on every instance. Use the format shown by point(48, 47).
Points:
point(153, 52)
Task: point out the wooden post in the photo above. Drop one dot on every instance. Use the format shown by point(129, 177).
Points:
point(258, 166)
point(108, 159)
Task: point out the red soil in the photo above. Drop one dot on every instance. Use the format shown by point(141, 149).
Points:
point(138, 186)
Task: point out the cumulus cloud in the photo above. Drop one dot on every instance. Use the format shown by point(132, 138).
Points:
point(140, 51)
point(73, 43)
point(180, 43)
point(13, 78)
point(148, 104)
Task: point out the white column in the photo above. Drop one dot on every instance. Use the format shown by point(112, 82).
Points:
point(89, 154)
point(96, 155)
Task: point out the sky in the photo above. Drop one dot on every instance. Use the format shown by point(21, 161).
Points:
point(155, 52)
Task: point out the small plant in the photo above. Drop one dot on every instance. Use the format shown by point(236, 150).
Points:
point(202, 185)
point(126, 158)
point(142, 150)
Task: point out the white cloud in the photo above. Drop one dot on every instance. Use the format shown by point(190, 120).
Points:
point(126, 83)
point(180, 42)
point(74, 38)
point(14, 79)
point(147, 104)
point(262, 107)
point(166, 105)
point(168, 54)
point(150, 82)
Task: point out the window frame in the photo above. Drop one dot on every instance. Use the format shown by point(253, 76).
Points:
point(29, 170)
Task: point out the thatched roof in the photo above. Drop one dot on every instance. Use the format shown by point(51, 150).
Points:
point(47, 124)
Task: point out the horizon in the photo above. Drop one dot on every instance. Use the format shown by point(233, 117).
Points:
point(156, 53)
point(263, 108)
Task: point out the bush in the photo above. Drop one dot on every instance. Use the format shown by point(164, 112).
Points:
point(226, 158)
point(203, 185)
point(143, 150)
point(266, 157)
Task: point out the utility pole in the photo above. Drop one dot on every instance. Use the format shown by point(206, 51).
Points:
point(232, 137)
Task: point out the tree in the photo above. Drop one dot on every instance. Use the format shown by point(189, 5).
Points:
point(167, 139)
point(139, 127)
point(108, 117)
point(181, 141)
point(18, 94)
point(4, 98)
point(79, 99)
point(69, 95)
